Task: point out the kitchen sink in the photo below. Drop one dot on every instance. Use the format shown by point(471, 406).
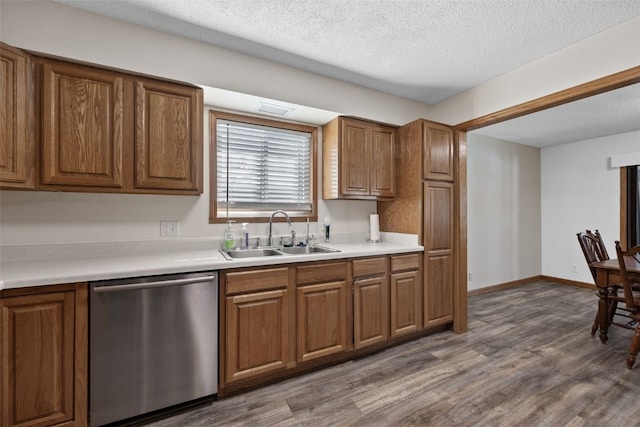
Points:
point(303, 250)
point(250, 253)
point(267, 252)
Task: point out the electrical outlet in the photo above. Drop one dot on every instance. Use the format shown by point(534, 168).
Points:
point(470, 276)
point(169, 228)
point(574, 268)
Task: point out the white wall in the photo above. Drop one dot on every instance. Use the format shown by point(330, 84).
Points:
point(503, 204)
point(525, 206)
point(43, 217)
point(580, 191)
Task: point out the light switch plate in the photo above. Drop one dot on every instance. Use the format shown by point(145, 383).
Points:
point(168, 228)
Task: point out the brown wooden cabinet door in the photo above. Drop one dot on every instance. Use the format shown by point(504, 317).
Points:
point(370, 311)
point(83, 129)
point(437, 162)
point(354, 159)
point(257, 334)
point(37, 350)
point(321, 320)
point(168, 136)
point(383, 179)
point(405, 302)
point(438, 251)
point(358, 160)
point(17, 156)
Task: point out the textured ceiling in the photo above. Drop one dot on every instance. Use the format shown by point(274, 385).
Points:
point(609, 113)
point(426, 50)
point(422, 50)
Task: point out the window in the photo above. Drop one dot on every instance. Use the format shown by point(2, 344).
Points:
point(259, 166)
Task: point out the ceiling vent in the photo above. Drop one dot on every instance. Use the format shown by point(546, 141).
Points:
point(274, 110)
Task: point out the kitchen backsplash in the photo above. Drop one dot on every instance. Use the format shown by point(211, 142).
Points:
point(52, 251)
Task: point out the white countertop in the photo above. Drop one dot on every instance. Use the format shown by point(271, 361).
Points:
point(37, 265)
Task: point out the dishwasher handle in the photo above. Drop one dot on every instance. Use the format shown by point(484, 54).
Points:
point(150, 285)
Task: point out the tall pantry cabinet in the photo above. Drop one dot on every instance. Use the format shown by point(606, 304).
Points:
point(427, 204)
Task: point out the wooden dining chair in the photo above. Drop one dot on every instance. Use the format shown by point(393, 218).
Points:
point(631, 299)
point(594, 250)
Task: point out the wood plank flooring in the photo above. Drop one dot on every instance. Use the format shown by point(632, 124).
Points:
point(527, 360)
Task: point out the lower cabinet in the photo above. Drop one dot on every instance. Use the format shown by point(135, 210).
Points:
point(322, 324)
point(321, 310)
point(438, 253)
point(406, 286)
point(370, 301)
point(289, 318)
point(257, 333)
point(43, 352)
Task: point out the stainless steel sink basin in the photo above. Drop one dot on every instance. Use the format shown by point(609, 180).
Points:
point(303, 250)
point(267, 252)
point(250, 253)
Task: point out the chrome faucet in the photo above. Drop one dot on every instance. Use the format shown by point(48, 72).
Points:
point(270, 238)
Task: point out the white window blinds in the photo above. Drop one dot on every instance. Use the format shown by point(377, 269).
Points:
point(262, 168)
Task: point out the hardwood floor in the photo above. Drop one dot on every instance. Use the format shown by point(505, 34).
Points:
point(527, 360)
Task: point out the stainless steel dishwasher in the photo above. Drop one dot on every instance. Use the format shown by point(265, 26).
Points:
point(153, 343)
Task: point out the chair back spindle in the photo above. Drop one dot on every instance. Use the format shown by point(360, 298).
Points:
point(593, 248)
point(634, 252)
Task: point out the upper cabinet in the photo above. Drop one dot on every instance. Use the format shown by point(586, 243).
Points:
point(107, 131)
point(97, 130)
point(17, 156)
point(168, 137)
point(437, 161)
point(358, 160)
point(82, 126)
point(424, 151)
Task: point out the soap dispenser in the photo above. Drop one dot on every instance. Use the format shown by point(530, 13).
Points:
point(245, 236)
point(229, 238)
point(327, 226)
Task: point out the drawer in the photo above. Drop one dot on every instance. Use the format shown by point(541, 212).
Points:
point(369, 266)
point(256, 280)
point(318, 273)
point(405, 262)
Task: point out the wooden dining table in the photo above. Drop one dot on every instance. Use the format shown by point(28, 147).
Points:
point(608, 274)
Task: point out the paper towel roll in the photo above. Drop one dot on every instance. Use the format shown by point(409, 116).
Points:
point(374, 228)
